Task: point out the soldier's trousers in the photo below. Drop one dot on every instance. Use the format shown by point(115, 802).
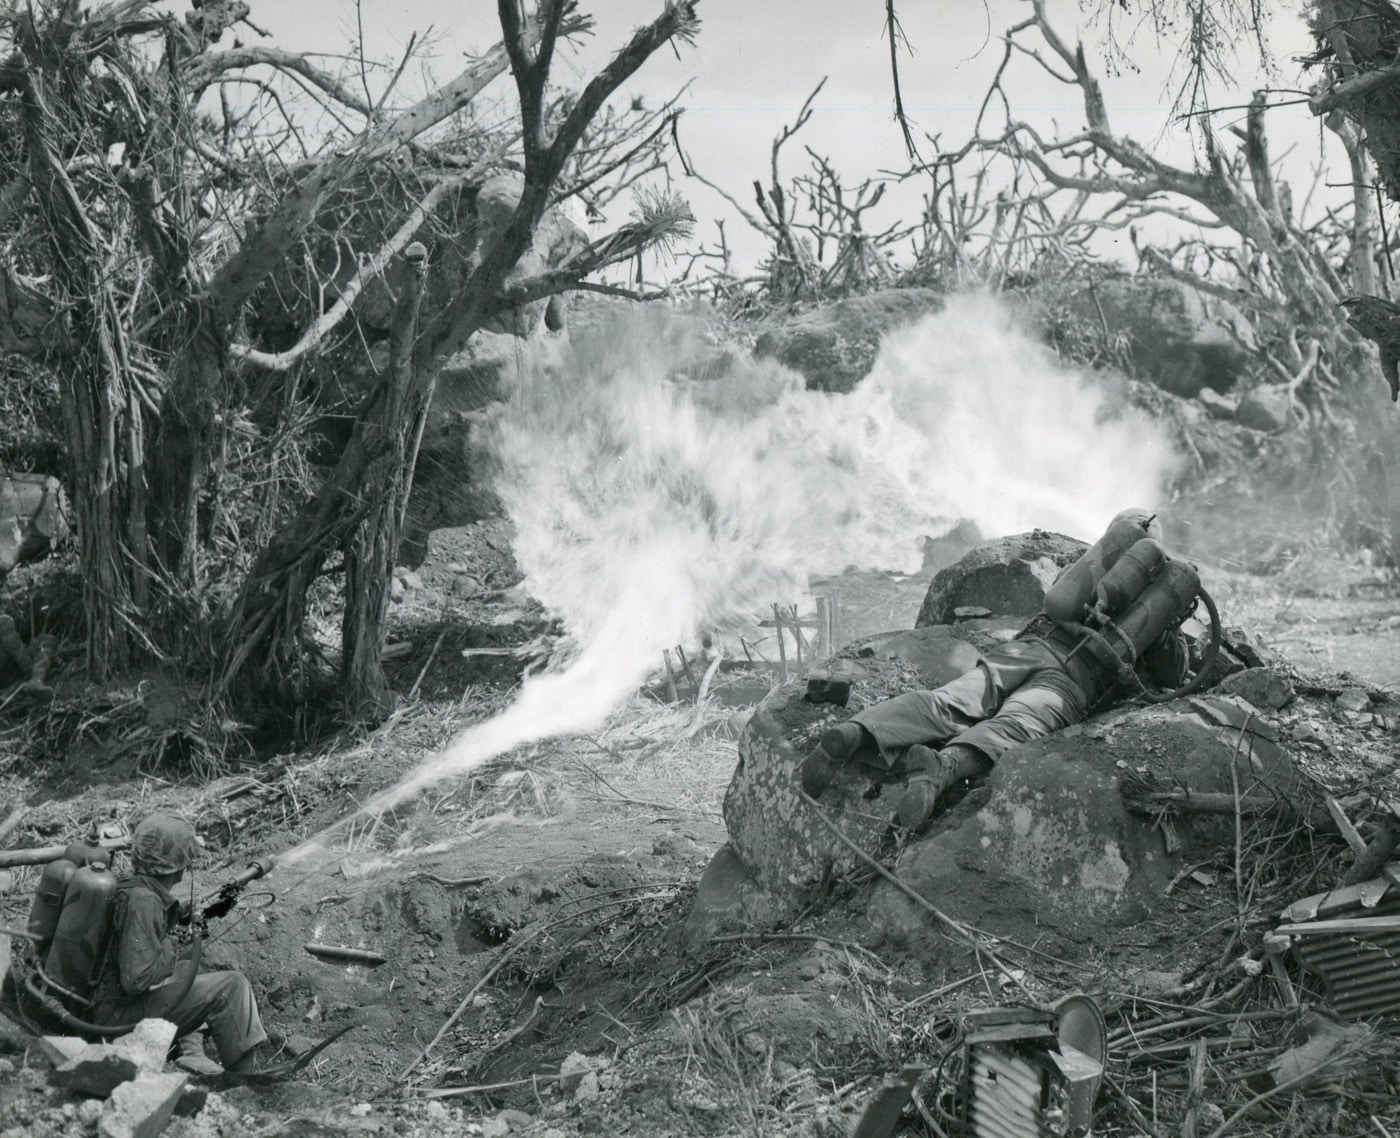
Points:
point(1018, 691)
point(222, 1000)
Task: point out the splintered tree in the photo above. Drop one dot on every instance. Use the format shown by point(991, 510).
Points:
point(155, 185)
point(1242, 238)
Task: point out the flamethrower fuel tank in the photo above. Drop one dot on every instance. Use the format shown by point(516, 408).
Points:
point(1130, 575)
point(83, 925)
point(1162, 605)
point(53, 883)
point(1068, 599)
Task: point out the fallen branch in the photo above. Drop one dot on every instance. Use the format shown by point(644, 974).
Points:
point(501, 961)
point(44, 854)
point(1311, 1073)
point(7, 827)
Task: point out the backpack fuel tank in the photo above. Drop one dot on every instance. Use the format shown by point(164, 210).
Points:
point(1160, 606)
point(84, 927)
point(1068, 600)
point(53, 884)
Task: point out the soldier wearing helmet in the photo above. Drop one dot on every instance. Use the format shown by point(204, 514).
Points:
point(143, 975)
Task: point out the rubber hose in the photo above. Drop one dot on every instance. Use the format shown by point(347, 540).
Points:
point(110, 1031)
point(1212, 651)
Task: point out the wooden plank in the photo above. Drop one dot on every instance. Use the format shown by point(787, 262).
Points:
point(1344, 826)
point(1343, 925)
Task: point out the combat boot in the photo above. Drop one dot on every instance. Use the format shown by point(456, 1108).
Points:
point(835, 748)
point(259, 1059)
point(923, 788)
point(933, 773)
point(190, 1056)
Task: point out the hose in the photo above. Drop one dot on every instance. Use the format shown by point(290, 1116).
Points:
point(1212, 651)
point(54, 1007)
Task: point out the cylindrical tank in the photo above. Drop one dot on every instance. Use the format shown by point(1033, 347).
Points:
point(1068, 599)
point(82, 930)
point(1130, 574)
point(1159, 606)
point(53, 883)
point(48, 900)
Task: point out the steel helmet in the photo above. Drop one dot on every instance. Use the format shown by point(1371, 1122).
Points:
point(163, 843)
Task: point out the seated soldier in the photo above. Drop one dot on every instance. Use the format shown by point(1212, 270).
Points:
point(143, 975)
point(1050, 676)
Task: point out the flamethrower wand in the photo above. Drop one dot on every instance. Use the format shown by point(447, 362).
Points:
point(219, 903)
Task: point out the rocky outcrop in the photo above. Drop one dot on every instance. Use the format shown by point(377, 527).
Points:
point(1056, 843)
point(834, 346)
point(1054, 840)
point(1008, 577)
point(1177, 337)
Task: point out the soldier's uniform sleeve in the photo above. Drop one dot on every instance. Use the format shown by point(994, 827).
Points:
point(145, 953)
point(1166, 660)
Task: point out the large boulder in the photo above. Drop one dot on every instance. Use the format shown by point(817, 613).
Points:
point(1007, 576)
point(1063, 840)
point(834, 346)
point(1178, 337)
point(1059, 839)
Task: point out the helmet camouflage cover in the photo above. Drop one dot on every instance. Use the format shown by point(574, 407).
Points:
point(163, 843)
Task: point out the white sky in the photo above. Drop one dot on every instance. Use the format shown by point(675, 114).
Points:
point(755, 61)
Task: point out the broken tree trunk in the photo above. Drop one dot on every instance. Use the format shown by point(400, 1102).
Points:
point(264, 656)
point(373, 548)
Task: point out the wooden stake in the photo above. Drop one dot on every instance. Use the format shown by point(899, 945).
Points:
point(685, 665)
point(782, 648)
point(670, 676)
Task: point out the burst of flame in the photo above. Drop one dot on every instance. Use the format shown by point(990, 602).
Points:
point(662, 486)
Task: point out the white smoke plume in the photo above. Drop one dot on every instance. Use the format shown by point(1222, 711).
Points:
point(663, 487)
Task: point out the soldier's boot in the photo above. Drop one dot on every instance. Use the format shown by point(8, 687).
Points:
point(260, 1059)
point(191, 1057)
point(834, 749)
point(933, 773)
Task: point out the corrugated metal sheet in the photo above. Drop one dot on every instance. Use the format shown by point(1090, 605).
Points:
point(1360, 971)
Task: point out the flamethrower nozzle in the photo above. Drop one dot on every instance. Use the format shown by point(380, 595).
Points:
point(258, 868)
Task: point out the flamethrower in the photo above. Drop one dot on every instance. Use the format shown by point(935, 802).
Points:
point(221, 901)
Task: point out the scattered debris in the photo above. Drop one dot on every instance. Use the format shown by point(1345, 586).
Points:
point(99, 1068)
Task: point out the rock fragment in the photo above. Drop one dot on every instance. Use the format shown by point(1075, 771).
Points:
point(1266, 688)
point(99, 1068)
point(141, 1108)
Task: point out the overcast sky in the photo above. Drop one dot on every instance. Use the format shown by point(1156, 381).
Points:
point(755, 61)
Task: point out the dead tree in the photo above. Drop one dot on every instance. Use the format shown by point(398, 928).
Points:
point(264, 653)
point(148, 226)
point(1281, 263)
